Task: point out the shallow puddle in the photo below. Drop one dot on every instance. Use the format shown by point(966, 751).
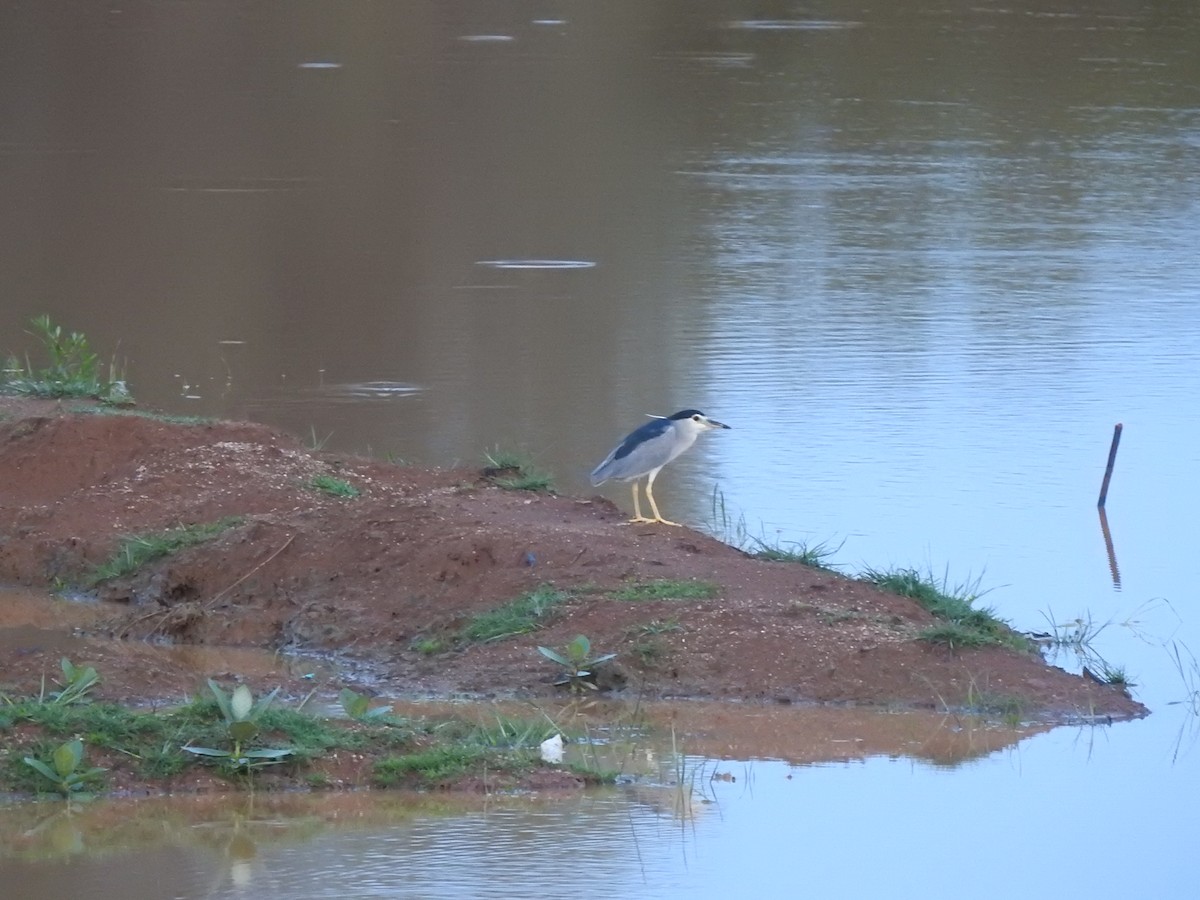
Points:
point(634, 738)
point(36, 632)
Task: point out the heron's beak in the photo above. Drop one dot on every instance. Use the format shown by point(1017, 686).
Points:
point(713, 423)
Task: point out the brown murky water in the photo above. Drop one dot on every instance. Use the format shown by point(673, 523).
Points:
point(31, 621)
point(920, 257)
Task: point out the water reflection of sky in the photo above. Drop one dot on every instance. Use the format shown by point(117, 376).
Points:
point(1016, 822)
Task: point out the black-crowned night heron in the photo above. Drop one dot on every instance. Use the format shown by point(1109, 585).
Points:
point(647, 449)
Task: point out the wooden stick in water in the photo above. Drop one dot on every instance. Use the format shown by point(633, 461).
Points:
point(1112, 458)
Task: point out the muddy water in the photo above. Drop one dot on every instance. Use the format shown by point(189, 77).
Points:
point(37, 629)
point(921, 257)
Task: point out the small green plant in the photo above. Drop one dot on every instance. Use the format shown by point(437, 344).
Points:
point(358, 706)
point(514, 472)
point(334, 487)
point(77, 681)
point(654, 627)
point(578, 663)
point(427, 645)
point(646, 643)
point(666, 589)
point(241, 713)
point(73, 369)
point(63, 770)
point(521, 616)
point(135, 551)
point(954, 635)
point(1108, 673)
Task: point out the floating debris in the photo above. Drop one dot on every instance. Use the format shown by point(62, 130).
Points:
point(374, 389)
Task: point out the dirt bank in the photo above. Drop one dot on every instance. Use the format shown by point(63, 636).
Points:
point(389, 578)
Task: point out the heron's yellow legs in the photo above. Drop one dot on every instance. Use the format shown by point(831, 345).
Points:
point(638, 518)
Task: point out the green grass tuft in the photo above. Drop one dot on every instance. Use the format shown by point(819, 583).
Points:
point(435, 764)
point(170, 418)
point(520, 616)
point(514, 472)
point(954, 636)
point(963, 624)
point(1112, 674)
point(72, 369)
point(666, 589)
point(137, 550)
point(815, 557)
point(334, 487)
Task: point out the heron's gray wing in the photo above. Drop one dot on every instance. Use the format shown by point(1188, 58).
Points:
point(623, 461)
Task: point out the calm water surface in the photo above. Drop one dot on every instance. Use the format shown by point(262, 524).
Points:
point(921, 257)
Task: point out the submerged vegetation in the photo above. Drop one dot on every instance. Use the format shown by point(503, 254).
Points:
point(70, 368)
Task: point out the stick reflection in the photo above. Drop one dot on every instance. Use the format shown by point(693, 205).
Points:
point(1108, 546)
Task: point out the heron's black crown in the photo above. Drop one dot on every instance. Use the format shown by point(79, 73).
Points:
point(685, 414)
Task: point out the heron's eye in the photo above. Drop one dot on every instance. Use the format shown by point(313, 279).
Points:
point(695, 418)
